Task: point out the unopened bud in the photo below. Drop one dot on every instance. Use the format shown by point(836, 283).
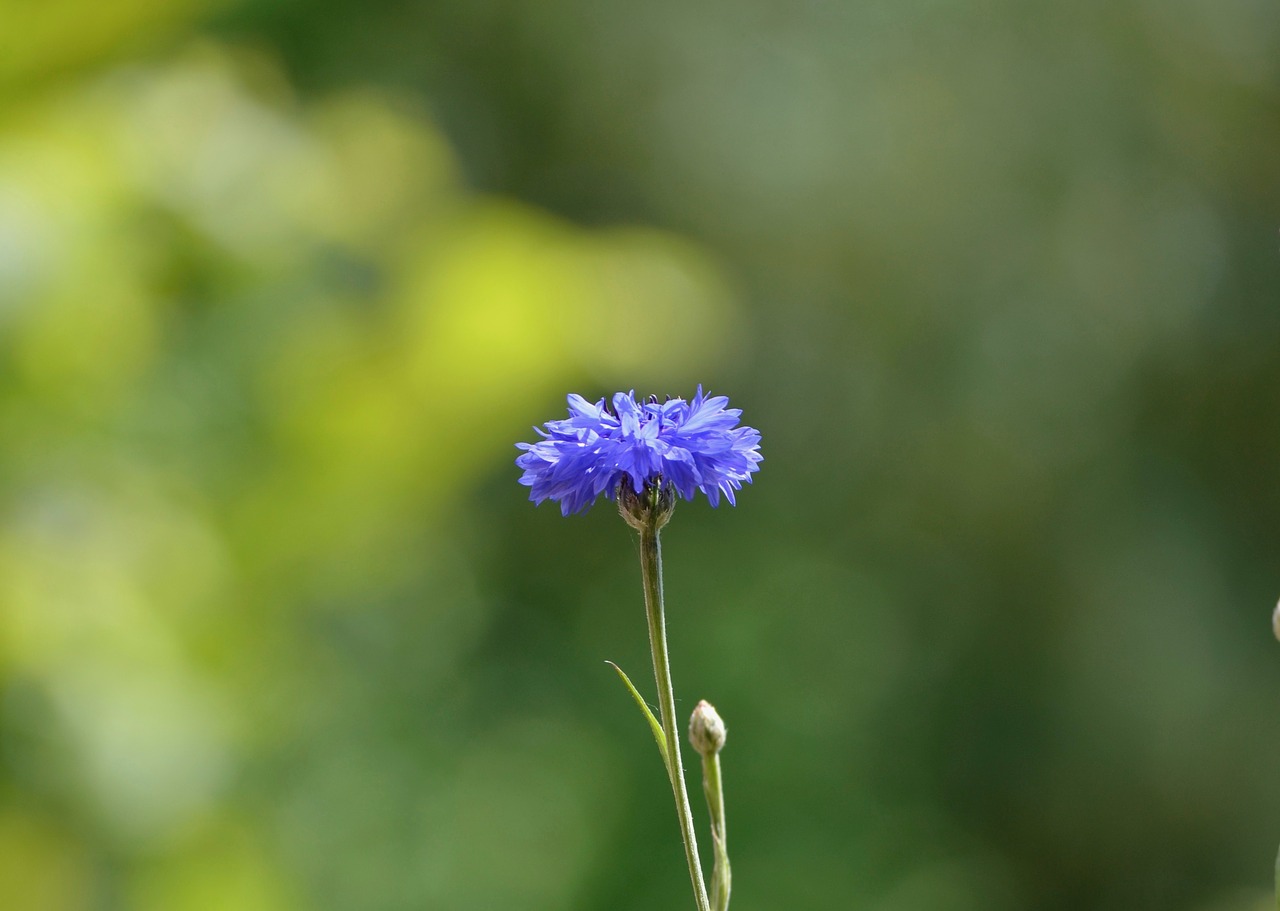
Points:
point(706, 729)
point(1275, 621)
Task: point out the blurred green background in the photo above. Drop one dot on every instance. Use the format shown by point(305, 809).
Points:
point(281, 283)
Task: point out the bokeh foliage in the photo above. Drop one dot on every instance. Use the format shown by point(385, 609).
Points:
point(281, 283)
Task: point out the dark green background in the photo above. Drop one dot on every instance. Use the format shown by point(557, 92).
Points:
point(281, 283)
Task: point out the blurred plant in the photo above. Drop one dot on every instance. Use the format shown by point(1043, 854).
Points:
point(642, 455)
point(1275, 629)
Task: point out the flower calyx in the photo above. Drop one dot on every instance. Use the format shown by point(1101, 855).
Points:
point(651, 508)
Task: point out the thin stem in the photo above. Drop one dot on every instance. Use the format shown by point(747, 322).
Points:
point(713, 787)
point(651, 570)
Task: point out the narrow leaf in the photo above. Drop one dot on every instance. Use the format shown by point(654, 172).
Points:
point(644, 707)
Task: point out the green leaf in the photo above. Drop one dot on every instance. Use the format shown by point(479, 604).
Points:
point(658, 734)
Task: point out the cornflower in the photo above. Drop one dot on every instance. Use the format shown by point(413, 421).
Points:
point(643, 454)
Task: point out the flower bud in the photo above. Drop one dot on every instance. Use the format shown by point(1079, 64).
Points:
point(706, 729)
point(1275, 621)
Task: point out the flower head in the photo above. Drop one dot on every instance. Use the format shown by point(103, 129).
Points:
point(692, 446)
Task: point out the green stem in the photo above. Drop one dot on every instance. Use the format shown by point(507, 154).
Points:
point(651, 570)
point(713, 787)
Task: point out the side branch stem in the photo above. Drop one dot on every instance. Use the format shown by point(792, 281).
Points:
point(651, 570)
point(713, 787)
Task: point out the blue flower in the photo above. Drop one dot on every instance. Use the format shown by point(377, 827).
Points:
point(692, 446)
